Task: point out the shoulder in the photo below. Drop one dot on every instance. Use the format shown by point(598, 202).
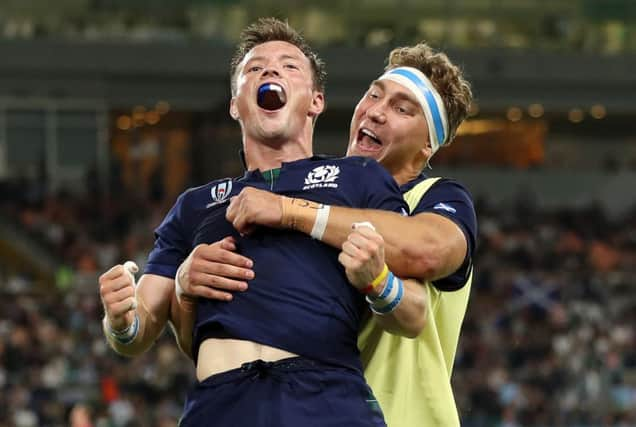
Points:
point(449, 198)
point(351, 161)
point(366, 167)
point(212, 191)
point(361, 162)
point(440, 190)
point(451, 187)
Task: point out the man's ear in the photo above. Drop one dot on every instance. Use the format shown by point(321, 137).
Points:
point(233, 110)
point(426, 152)
point(317, 104)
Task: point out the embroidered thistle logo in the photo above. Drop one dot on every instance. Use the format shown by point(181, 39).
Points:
point(322, 177)
point(220, 193)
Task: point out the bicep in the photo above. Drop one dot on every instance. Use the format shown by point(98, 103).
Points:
point(452, 243)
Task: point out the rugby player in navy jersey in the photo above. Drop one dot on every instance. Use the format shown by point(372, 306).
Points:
point(285, 353)
point(408, 113)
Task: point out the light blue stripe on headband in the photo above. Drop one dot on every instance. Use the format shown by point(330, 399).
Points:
point(430, 99)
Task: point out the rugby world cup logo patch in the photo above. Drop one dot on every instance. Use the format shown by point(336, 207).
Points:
point(220, 192)
point(322, 177)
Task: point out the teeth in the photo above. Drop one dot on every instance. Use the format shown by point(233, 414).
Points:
point(271, 96)
point(371, 135)
point(368, 133)
point(274, 86)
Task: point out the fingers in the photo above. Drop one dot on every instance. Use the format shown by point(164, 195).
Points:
point(370, 243)
point(232, 209)
point(366, 224)
point(215, 294)
point(131, 267)
point(212, 271)
point(121, 308)
point(113, 273)
point(228, 243)
point(117, 292)
point(215, 287)
point(200, 269)
point(354, 251)
point(368, 231)
point(117, 296)
point(349, 262)
point(362, 254)
point(252, 208)
point(239, 216)
point(222, 252)
point(114, 279)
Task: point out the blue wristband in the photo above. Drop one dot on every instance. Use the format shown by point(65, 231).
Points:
point(128, 335)
point(392, 305)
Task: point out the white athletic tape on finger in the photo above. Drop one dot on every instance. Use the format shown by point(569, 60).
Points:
point(362, 224)
point(131, 268)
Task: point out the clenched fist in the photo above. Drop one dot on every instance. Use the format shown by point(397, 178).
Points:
point(117, 292)
point(362, 256)
point(253, 207)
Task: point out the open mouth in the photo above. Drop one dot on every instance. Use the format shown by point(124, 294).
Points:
point(271, 97)
point(367, 140)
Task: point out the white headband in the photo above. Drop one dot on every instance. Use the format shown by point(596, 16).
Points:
point(428, 97)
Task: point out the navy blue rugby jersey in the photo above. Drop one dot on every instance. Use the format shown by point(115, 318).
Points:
point(450, 199)
point(300, 299)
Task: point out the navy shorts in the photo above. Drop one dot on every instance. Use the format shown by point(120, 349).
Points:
point(293, 392)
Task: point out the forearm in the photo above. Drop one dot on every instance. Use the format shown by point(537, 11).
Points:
point(153, 295)
point(414, 246)
point(409, 317)
point(182, 318)
point(149, 329)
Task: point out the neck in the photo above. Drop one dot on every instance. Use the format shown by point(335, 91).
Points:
point(403, 173)
point(404, 176)
point(266, 155)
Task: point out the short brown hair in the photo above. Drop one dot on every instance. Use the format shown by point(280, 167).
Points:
point(446, 77)
point(271, 29)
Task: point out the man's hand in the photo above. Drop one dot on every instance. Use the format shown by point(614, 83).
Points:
point(252, 207)
point(363, 256)
point(212, 270)
point(117, 292)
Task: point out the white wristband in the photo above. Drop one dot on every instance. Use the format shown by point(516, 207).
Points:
point(320, 225)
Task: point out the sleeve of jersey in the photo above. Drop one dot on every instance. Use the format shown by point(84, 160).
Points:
point(381, 190)
point(172, 244)
point(451, 200)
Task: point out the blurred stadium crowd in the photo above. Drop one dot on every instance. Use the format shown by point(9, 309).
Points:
point(548, 339)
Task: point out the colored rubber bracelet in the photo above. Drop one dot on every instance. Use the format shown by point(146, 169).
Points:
point(127, 335)
point(380, 277)
point(392, 305)
point(385, 292)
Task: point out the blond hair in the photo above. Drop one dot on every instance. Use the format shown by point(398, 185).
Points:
point(446, 77)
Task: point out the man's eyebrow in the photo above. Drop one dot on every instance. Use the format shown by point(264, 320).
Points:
point(256, 58)
point(288, 56)
point(283, 57)
point(405, 94)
